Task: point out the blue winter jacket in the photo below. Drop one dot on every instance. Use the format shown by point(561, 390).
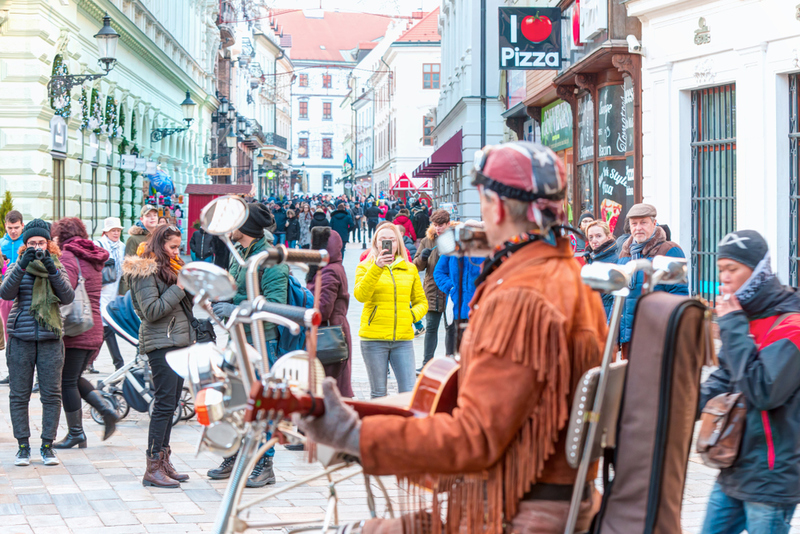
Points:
point(446, 277)
point(10, 248)
point(658, 246)
point(608, 253)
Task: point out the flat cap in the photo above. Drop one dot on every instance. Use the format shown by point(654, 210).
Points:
point(642, 210)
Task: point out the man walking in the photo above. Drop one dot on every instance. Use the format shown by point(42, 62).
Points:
point(279, 215)
point(9, 245)
point(647, 241)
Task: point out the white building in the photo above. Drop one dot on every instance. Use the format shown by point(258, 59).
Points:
point(720, 125)
point(364, 125)
point(165, 49)
point(324, 53)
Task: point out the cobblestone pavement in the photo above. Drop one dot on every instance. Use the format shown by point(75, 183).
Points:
point(98, 489)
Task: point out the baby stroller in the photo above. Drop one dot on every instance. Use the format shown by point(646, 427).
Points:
point(130, 386)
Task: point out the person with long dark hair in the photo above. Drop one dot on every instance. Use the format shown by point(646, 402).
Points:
point(165, 311)
point(82, 259)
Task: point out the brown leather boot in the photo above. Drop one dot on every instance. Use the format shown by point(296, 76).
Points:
point(154, 475)
point(169, 469)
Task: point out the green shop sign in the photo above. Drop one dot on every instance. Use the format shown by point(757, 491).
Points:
point(557, 125)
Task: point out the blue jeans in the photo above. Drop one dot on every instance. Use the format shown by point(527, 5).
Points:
point(379, 354)
point(280, 238)
point(726, 515)
point(292, 243)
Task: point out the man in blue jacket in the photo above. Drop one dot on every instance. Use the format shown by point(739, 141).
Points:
point(9, 245)
point(647, 241)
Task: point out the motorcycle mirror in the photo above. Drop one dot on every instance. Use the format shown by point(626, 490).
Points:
point(670, 270)
point(213, 281)
point(224, 215)
point(197, 364)
point(222, 437)
point(605, 277)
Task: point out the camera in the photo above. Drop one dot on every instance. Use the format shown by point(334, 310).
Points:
point(464, 240)
point(634, 46)
point(39, 254)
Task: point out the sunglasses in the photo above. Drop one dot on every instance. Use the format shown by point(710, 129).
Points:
point(172, 228)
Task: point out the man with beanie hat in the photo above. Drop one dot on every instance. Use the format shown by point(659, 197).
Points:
point(38, 286)
point(759, 324)
point(251, 239)
point(534, 329)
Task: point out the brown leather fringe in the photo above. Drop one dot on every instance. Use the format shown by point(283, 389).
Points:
point(533, 333)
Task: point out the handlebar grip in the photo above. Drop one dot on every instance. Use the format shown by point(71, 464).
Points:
point(307, 317)
point(311, 257)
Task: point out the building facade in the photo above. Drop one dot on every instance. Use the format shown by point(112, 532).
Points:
point(62, 156)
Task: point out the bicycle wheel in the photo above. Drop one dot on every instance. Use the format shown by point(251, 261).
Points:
point(176, 417)
point(187, 403)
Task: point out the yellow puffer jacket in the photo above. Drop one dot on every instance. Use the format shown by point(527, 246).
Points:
point(386, 293)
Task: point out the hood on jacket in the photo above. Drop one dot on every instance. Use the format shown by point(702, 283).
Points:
point(138, 229)
point(339, 214)
point(138, 267)
point(320, 217)
point(87, 251)
point(324, 237)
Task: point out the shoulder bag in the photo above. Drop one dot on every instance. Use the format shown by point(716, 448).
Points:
point(77, 315)
point(722, 424)
point(331, 345)
point(203, 329)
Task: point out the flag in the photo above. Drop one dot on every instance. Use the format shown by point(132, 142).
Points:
point(347, 160)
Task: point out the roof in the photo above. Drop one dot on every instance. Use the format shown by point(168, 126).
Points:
point(424, 31)
point(322, 38)
point(217, 189)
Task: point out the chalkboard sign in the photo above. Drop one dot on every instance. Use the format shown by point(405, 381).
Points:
point(615, 181)
point(611, 122)
point(585, 128)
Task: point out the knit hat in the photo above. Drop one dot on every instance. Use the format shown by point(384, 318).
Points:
point(258, 219)
point(744, 246)
point(36, 228)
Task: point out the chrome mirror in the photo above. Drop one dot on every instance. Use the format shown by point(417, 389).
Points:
point(670, 270)
point(198, 364)
point(222, 437)
point(605, 277)
point(223, 215)
point(203, 278)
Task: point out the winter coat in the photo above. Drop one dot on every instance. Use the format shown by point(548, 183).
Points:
point(373, 213)
point(410, 247)
point(446, 276)
point(765, 367)
point(342, 223)
point(319, 220)
point(116, 251)
point(383, 209)
point(160, 306)
point(274, 282)
point(421, 220)
point(9, 248)
point(292, 229)
point(391, 213)
point(221, 253)
point(334, 301)
point(405, 222)
point(607, 253)
point(92, 258)
point(386, 293)
point(18, 286)
point(201, 245)
point(280, 220)
point(437, 299)
point(305, 228)
point(137, 235)
point(658, 246)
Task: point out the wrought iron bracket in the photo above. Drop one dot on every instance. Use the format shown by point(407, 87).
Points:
point(60, 84)
point(160, 133)
point(208, 158)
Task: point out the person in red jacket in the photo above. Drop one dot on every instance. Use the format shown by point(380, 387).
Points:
point(81, 258)
point(403, 219)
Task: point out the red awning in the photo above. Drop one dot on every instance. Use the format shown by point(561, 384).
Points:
point(443, 159)
point(218, 189)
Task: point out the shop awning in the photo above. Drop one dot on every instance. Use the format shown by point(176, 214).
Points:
point(218, 189)
point(519, 110)
point(443, 159)
point(401, 183)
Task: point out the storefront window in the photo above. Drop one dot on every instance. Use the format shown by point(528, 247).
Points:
point(615, 178)
point(585, 155)
point(586, 187)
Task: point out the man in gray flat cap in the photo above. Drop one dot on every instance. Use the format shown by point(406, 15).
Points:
point(647, 240)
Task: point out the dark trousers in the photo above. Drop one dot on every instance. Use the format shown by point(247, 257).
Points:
point(110, 337)
point(73, 386)
point(22, 357)
point(371, 224)
point(167, 385)
point(432, 335)
point(450, 340)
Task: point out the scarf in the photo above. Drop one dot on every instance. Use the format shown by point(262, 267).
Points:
point(115, 250)
point(175, 265)
point(637, 248)
point(761, 275)
point(44, 303)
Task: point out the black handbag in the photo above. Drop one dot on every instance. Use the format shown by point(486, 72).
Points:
point(203, 329)
point(109, 271)
point(331, 345)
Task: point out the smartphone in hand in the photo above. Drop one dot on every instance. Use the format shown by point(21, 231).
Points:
point(386, 245)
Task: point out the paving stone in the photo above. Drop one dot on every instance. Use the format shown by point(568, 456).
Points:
point(10, 509)
point(144, 505)
point(35, 498)
point(114, 519)
point(152, 518)
point(203, 495)
point(39, 509)
point(46, 521)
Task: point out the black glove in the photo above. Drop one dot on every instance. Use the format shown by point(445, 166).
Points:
point(29, 256)
point(425, 254)
point(48, 263)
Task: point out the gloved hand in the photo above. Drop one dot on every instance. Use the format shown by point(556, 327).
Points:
point(49, 264)
point(339, 427)
point(425, 254)
point(223, 310)
point(27, 257)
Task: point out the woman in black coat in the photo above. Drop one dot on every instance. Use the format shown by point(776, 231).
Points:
point(319, 219)
point(292, 229)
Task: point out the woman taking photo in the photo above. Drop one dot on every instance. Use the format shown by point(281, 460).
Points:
point(602, 247)
point(82, 259)
point(305, 216)
point(391, 290)
point(38, 287)
point(164, 308)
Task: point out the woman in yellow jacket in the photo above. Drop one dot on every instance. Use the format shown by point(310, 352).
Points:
point(391, 290)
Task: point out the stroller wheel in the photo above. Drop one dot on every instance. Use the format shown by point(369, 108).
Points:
point(187, 404)
point(176, 417)
point(122, 407)
point(117, 401)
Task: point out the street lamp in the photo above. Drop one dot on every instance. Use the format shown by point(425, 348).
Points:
point(232, 113)
point(187, 107)
point(107, 50)
point(223, 106)
point(241, 123)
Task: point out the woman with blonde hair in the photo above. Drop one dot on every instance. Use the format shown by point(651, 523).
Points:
point(389, 286)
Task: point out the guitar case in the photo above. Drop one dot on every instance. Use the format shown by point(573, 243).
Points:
point(657, 418)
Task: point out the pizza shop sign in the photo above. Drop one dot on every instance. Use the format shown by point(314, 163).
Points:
point(530, 38)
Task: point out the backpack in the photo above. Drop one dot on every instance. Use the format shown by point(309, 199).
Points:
point(300, 296)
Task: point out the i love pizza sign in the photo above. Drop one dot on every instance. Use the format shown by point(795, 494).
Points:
point(530, 38)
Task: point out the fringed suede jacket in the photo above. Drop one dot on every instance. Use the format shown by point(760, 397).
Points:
point(534, 329)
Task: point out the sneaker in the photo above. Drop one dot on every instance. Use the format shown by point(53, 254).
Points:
point(224, 470)
point(23, 455)
point(262, 474)
point(4, 381)
point(49, 455)
point(419, 332)
point(35, 387)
